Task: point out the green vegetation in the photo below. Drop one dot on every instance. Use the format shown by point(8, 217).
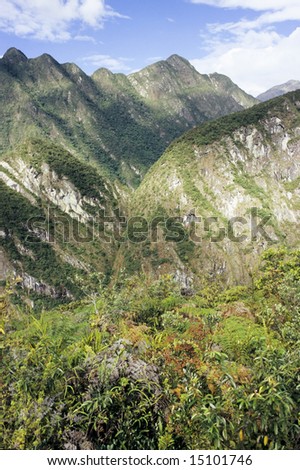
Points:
point(138, 366)
point(292, 185)
point(48, 247)
point(250, 186)
point(38, 257)
point(124, 357)
point(85, 177)
point(225, 126)
point(105, 119)
point(185, 250)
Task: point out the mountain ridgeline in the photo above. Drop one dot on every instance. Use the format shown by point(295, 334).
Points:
point(79, 154)
point(149, 261)
point(122, 124)
point(278, 90)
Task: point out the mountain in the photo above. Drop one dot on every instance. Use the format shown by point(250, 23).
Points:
point(79, 145)
point(175, 87)
point(225, 85)
point(136, 360)
point(279, 90)
point(221, 194)
point(123, 124)
point(52, 211)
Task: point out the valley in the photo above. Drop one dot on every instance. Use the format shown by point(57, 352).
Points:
point(149, 260)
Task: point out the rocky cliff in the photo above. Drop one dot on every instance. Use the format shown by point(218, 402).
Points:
point(234, 185)
point(52, 213)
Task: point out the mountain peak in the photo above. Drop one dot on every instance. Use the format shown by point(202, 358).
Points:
point(103, 71)
point(47, 59)
point(278, 90)
point(293, 83)
point(177, 59)
point(14, 55)
point(224, 84)
point(180, 63)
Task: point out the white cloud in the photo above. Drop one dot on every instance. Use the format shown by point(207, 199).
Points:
point(84, 38)
point(257, 5)
point(119, 64)
point(274, 11)
point(151, 60)
point(52, 20)
point(252, 52)
point(259, 62)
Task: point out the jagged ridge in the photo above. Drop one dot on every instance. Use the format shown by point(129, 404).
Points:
point(121, 123)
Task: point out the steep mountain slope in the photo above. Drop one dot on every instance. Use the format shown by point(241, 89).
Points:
point(174, 87)
point(274, 92)
point(106, 118)
point(42, 98)
point(52, 219)
point(68, 142)
point(234, 183)
point(224, 85)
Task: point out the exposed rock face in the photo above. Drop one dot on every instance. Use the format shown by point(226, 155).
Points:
point(46, 184)
point(5, 266)
point(235, 183)
point(46, 219)
point(39, 287)
point(120, 361)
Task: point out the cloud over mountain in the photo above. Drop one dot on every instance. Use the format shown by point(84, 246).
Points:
point(253, 47)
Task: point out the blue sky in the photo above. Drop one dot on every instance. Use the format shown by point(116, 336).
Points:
point(255, 42)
